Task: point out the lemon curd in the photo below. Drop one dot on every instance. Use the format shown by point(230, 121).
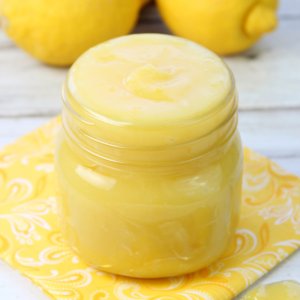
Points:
point(284, 290)
point(149, 159)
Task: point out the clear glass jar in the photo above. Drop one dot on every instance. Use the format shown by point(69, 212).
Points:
point(149, 201)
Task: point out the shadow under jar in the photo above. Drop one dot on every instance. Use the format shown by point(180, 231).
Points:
point(149, 159)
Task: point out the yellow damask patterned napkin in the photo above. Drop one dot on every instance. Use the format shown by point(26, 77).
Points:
point(30, 240)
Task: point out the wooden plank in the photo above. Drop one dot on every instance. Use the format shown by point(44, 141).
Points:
point(27, 87)
point(289, 9)
point(273, 133)
point(268, 74)
point(292, 165)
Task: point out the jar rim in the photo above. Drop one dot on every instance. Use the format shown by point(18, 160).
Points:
point(71, 104)
point(79, 124)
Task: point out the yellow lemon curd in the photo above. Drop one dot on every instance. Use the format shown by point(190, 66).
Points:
point(285, 290)
point(149, 160)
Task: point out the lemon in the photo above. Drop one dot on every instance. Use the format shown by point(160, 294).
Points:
point(58, 31)
point(224, 26)
point(144, 2)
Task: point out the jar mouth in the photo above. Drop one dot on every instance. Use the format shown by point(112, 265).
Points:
point(87, 115)
point(148, 80)
point(89, 133)
point(97, 117)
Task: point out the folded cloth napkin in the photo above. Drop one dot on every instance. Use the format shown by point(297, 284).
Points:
point(30, 240)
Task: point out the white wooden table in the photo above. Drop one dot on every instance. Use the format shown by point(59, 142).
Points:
point(268, 79)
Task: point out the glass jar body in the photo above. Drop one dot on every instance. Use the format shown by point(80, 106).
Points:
point(150, 223)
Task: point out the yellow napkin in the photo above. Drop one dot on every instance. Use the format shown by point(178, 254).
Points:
point(30, 240)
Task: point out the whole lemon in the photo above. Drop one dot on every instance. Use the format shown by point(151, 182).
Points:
point(144, 2)
point(58, 31)
point(224, 26)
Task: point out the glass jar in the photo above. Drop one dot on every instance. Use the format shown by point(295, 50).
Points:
point(148, 199)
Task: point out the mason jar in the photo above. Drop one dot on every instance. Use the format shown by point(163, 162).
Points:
point(149, 158)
